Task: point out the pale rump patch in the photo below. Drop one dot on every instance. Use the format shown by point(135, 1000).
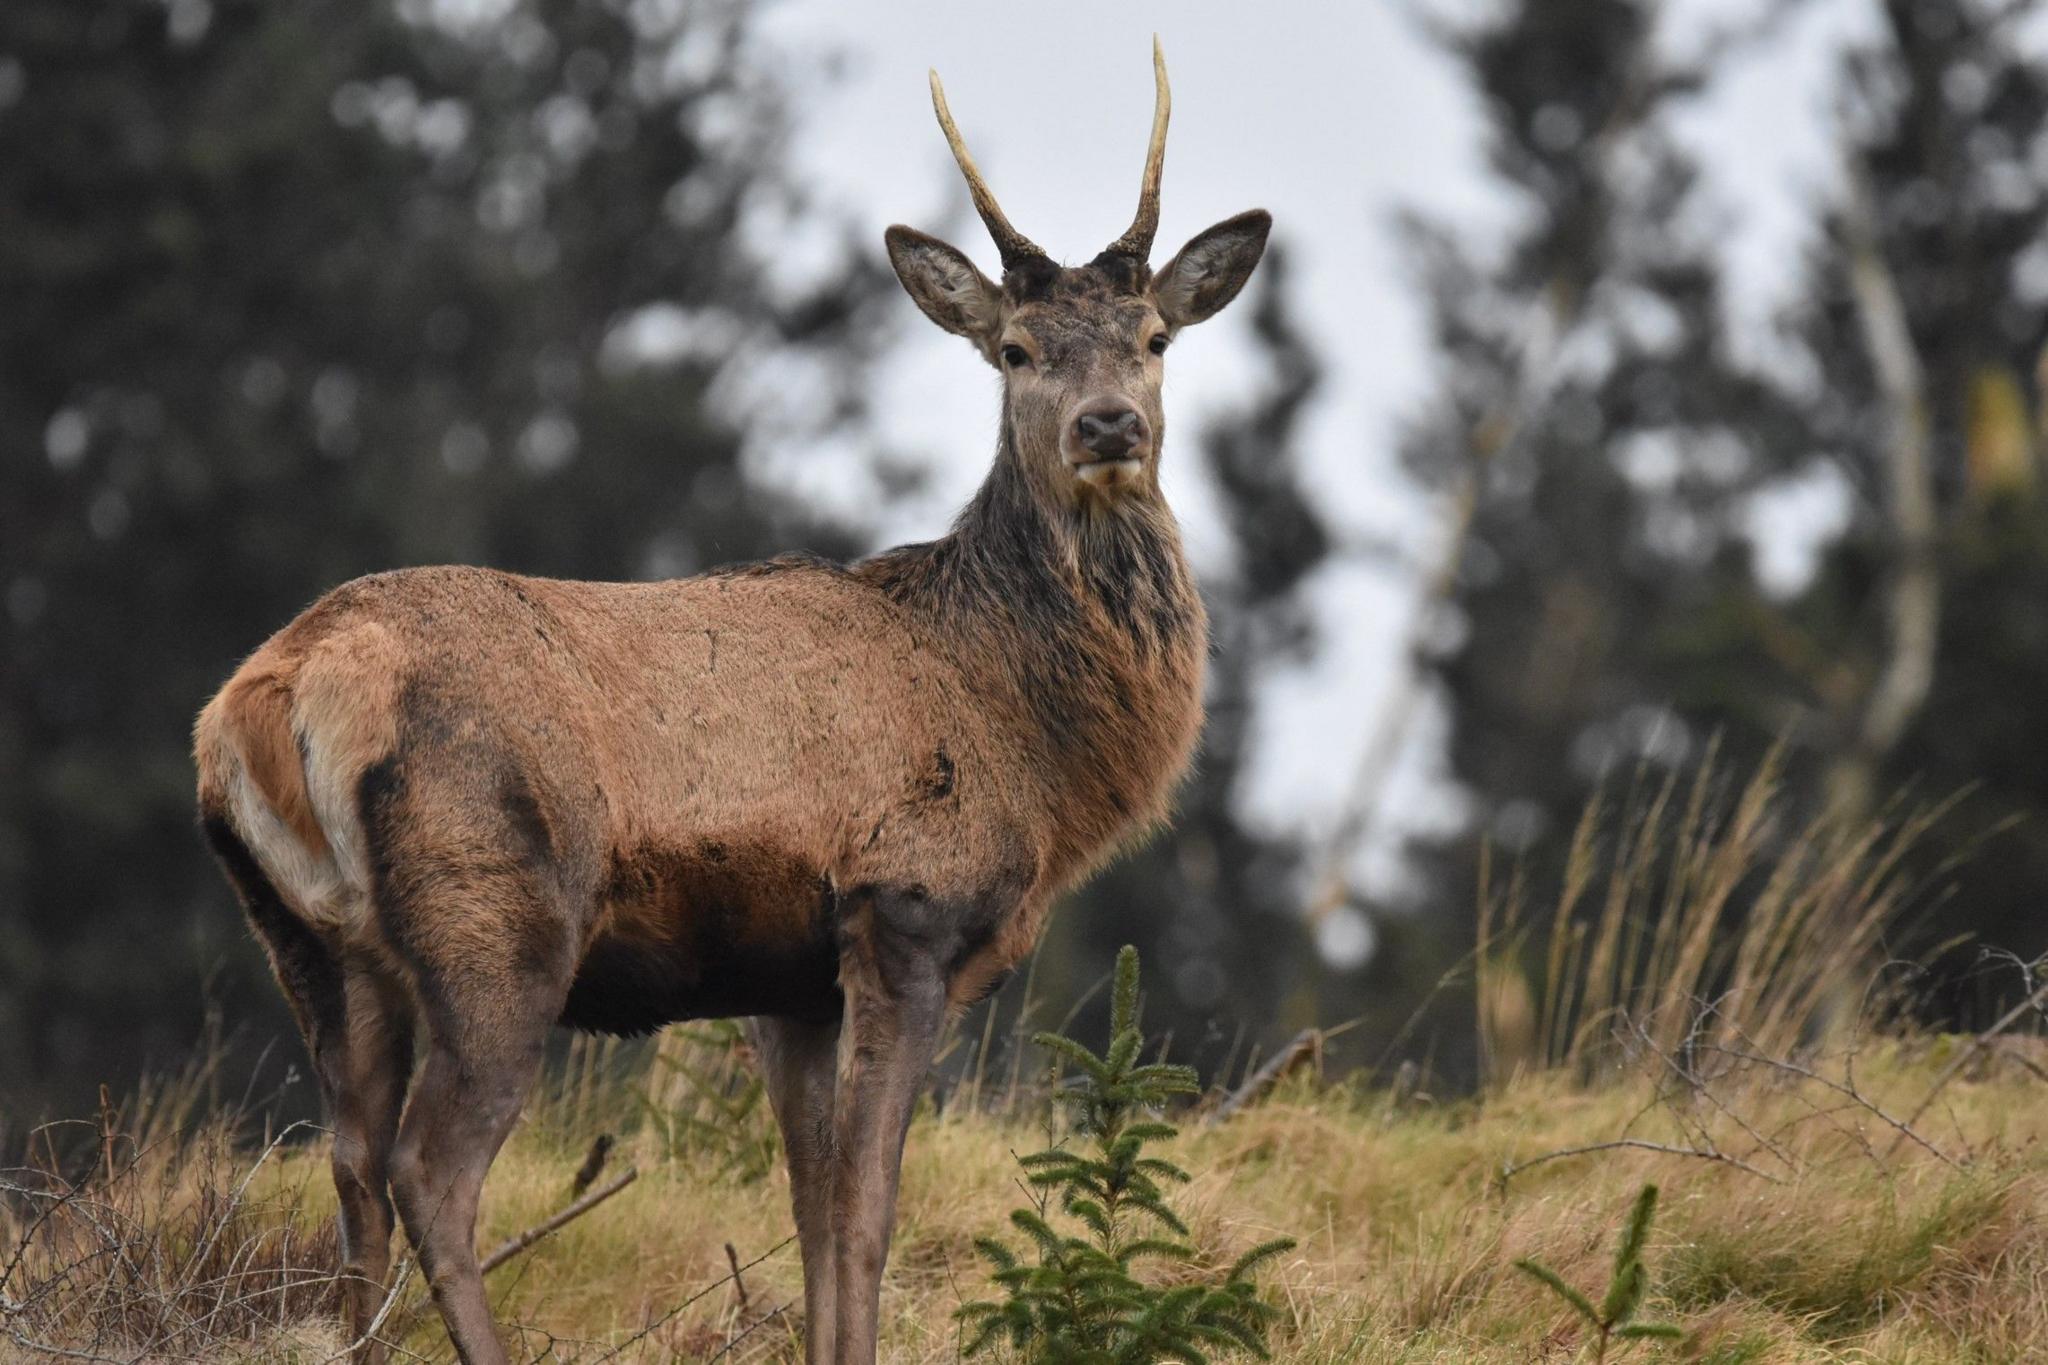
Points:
point(251, 721)
point(308, 882)
point(344, 707)
point(281, 750)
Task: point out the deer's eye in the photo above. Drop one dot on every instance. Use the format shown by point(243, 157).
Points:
point(1015, 356)
point(1159, 343)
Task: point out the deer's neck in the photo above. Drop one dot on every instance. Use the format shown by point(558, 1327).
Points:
point(1087, 623)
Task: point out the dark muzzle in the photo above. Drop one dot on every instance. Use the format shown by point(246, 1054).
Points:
point(1110, 433)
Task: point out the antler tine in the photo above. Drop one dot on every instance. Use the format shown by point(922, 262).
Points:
point(1137, 242)
point(1013, 246)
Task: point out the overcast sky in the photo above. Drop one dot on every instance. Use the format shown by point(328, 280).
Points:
point(1333, 117)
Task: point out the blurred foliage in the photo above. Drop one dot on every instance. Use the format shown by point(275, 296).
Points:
point(705, 1101)
point(1610, 609)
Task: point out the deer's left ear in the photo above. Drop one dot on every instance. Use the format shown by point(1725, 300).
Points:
point(1210, 269)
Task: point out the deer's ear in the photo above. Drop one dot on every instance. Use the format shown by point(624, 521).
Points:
point(1210, 269)
point(945, 284)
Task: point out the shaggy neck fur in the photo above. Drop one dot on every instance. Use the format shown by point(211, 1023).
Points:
point(1084, 617)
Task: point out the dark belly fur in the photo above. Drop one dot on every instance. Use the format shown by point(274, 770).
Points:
point(710, 933)
point(629, 988)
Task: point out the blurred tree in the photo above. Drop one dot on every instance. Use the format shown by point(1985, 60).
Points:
point(1930, 604)
point(1592, 435)
point(1612, 463)
point(296, 292)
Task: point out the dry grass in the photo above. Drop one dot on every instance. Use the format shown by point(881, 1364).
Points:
point(1837, 1249)
point(1834, 1190)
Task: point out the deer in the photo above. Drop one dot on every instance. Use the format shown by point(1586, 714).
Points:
point(460, 807)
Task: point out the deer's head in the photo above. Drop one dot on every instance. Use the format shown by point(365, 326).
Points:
point(1081, 348)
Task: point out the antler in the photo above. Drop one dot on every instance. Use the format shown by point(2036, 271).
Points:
point(1013, 246)
point(1137, 242)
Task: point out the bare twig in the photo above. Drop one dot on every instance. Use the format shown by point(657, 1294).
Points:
point(752, 1328)
point(106, 1134)
point(2011, 1054)
point(1509, 1172)
point(1703, 1087)
point(234, 1203)
point(43, 1348)
point(391, 1298)
point(732, 1258)
point(648, 1330)
point(1977, 1044)
point(592, 1167)
point(1306, 1046)
point(1903, 1127)
point(576, 1210)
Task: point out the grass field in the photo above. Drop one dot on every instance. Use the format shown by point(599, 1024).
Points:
point(1837, 1186)
point(1839, 1237)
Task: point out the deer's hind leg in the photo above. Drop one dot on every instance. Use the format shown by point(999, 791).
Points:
point(487, 938)
point(366, 1078)
point(479, 1066)
point(357, 1025)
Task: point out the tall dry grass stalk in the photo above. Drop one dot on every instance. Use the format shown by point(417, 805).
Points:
point(1694, 910)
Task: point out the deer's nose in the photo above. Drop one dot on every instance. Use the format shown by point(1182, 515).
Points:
point(1110, 432)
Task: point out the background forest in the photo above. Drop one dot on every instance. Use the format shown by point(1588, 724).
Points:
point(294, 292)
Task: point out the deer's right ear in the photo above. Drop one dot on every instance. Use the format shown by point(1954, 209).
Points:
point(946, 286)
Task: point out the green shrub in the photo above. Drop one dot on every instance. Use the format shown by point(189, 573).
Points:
point(1081, 1301)
point(712, 1109)
point(1614, 1319)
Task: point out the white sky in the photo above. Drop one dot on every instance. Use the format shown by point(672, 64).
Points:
point(1331, 116)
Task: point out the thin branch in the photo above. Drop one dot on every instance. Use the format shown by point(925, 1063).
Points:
point(766, 1318)
point(1306, 1046)
point(1903, 1127)
point(648, 1330)
point(732, 1258)
point(1977, 1044)
point(568, 1215)
point(61, 1353)
point(1509, 1172)
point(1701, 1086)
point(1913, 594)
point(391, 1298)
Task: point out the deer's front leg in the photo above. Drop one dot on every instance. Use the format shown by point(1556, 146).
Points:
point(801, 1063)
point(892, 969)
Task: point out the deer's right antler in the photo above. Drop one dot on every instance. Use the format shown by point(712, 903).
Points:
point(1013, 246)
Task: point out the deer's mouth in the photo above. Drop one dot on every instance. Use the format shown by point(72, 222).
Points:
point(1111, 472)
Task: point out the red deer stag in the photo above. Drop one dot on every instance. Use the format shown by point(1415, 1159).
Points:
point(838, 799)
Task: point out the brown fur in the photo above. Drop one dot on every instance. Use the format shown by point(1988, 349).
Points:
point(836, 798)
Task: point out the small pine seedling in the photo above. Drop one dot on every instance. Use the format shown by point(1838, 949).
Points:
point(1614, 1320)
point(1082, 1303)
